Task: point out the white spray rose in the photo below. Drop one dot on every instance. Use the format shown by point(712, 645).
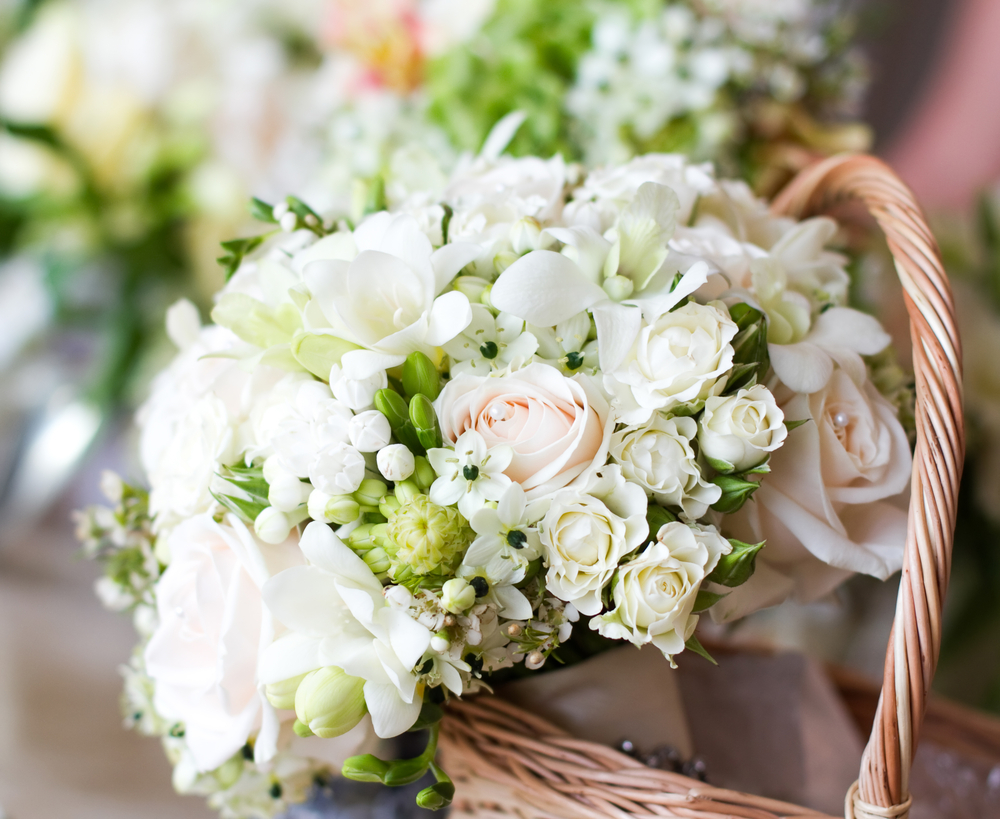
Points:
point(832, 503)
point(658, 456)
point(681, 357)
point(212, 625)
point(655, 593)
point(586, 533)
point(739, 431)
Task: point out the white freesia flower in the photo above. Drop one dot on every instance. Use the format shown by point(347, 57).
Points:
point(405, 312)
point(585, 534)
point(212, 626)
point(737, 432)
point(395, 462)
point(558, 427)
point(337, 615)
point(681, 357)
point(490, 343)
point(831, 504)
point(470, 474)
point(654, 594)
point(659, 457)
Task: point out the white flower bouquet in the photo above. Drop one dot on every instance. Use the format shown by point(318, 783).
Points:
point(461, 438)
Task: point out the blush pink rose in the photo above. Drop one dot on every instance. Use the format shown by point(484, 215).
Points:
point(558, 427)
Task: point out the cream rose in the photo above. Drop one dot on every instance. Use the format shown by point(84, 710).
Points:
point(680, 358)
point(558, 427)
point(212, 626)
point(658, 456)
point(585, 534)
point(738, 432)
point(654, 594)
point(832, 503)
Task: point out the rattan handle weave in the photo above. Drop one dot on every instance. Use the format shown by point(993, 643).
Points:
point(912, 654)
point(508, 763)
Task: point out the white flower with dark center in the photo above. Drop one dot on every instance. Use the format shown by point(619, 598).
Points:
point(490, 343)
point(470, 474)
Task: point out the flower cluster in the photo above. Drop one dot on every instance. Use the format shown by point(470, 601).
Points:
point(448, 440)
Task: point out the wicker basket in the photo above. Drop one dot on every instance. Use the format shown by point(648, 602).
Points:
point(510, 763)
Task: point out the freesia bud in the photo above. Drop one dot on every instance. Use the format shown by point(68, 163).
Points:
point(377, 560)
point(330, 702)
point(420, 376)
point(282, 694)
point(388, 506)
point(369, 431)
point(272, 525)
point(457, 596)
point(425, 421)
point(618, 288)
point(395, 462)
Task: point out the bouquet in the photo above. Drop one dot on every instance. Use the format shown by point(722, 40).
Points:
point(476, 435)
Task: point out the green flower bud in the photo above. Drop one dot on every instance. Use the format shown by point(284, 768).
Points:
point(428, 538)
point(425, 422)
point(423, 474)
point(377, 560)
point(388, 506)
point(282, 694)
point(436, 796)
point(618, 287)
point(365, 768)
point(339, 509)
point(457, 595)
point(370, 492)
point(420, 376)
point(360, 538)
point(406, 491)
point(302, 730)
point(330, 702)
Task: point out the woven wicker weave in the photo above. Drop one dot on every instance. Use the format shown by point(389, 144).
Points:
point(509, 763)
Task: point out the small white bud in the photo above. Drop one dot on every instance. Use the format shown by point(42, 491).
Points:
point(457, 595)
point(289, 222)
point(440, 643)
point(288, 493)
point(534, 660)
point(358, 395)
point(311, 220)
point(279, 211)
point(395, 462)
point(111, 486)
point(272, 526)
point(514, 629)
point(398, 596)
point(369, 431)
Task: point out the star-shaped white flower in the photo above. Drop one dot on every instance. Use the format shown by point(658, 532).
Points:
point(470, 474)
point(490, 343)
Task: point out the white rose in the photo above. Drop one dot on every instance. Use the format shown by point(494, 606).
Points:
point(212, 625)
point(658, 457)
point(737, 432)
point(558, 427)
point(832, 502)
point(585, 534)
point(395, 462)
point(680, 358)
point(655, 593)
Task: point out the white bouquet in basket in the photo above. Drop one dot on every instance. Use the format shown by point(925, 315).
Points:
point(427, 449)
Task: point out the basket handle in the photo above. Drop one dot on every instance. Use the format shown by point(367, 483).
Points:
point(882, 789)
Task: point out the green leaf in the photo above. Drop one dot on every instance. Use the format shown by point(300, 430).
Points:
point(735, 492)
point(238, 248)
point(761, 469)
point(261, 211)
point(693, 645)
point(430, 714)
point(705, 600)
point(657, 517)
point(738, 566)
point(376, 196)
point(790, 425)
point(723, 467)
point(247, 510)
point(741, 376)
point(446, 221)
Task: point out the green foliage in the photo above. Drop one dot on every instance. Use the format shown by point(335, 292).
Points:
point(750, 357)
point(236, 249)
point(249, 496)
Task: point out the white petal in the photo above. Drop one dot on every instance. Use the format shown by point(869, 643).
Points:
point(391, 715)
point(586, 247)
point(360, 365)
point(514, 605)
point(544, 288)
point(617, 328)
point(451, 678)
point(511, 506)
point(305, 599)
point(654, 306)
point(450, 314)
point(844, 327)
point(448, 261)
point(803, 367)
point(501, 134)
point(323, 548)
point(288, 657)
point(407, 637)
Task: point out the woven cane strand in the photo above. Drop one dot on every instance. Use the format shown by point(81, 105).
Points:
point(507, 763)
